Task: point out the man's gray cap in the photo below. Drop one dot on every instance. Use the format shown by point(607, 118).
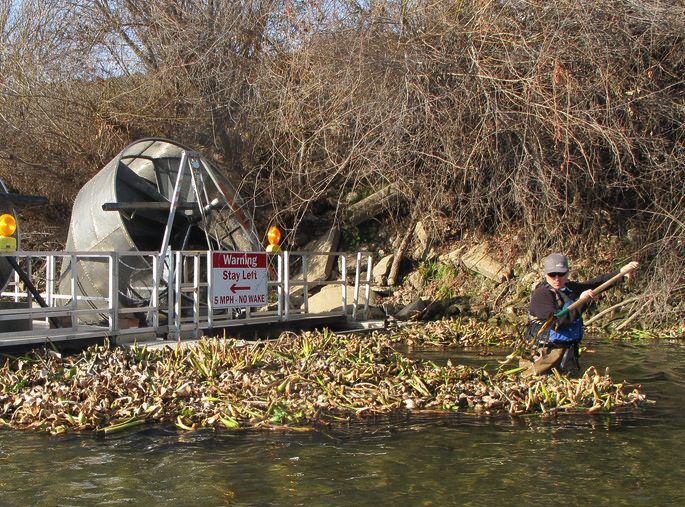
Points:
point(555, 263)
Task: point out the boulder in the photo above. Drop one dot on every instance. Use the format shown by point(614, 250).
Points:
point(421, 243)
point(329, 299)
point(351, 264)
point(319, 267)
point(381, 270)
point(415, 279)
point(374, 313)
point(442, 308)
point(453, 257)
point(412, 311)
point(479, 260)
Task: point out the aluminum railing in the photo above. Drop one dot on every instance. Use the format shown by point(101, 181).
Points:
point(186, 310)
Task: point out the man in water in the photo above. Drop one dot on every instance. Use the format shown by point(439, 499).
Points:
point(557, 346)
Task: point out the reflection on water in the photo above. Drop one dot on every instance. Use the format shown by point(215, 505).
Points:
point(632, 459)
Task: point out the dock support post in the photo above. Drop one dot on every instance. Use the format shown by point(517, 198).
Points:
point(153, 317)
point(178, 303)
point(210, 303)
point(367, 289)
point(113, 295)
point(357, 271)
point(343, 278)
point(305, 275)
point(196, 294)
point(74, 298)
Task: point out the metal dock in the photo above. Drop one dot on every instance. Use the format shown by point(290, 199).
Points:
point(177, 292)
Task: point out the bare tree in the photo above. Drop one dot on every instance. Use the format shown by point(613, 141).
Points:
point(561, 118)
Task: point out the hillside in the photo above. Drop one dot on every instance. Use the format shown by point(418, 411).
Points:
point(535, 126)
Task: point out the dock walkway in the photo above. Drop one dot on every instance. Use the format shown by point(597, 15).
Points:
point(173, 299)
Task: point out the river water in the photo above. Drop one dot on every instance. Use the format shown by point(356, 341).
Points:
point(632, 459)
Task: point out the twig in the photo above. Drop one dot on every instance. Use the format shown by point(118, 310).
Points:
point(614, 307)
point(504, 290)
point(396, 261)
point(629, 319)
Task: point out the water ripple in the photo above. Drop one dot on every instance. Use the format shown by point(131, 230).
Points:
point(429, 460)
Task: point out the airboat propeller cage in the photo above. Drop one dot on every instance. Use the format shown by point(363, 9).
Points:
point(126, 207)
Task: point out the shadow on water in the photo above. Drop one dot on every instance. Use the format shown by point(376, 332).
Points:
point(632, 458)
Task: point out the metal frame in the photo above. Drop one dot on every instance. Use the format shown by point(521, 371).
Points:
point(189, 311)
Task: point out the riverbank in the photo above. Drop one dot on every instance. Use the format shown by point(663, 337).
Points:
point(297, 381)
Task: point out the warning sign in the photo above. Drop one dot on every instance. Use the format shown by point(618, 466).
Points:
point(239, 279)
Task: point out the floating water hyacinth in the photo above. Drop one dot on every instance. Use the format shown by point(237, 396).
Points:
point(455, 332)
point(297, 381)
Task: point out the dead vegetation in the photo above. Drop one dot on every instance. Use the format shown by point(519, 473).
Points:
point(561, 118)
point(299, 382)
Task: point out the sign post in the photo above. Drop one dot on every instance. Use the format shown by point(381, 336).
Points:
point(239, 279)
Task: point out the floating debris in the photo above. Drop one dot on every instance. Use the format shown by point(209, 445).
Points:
point(298, 381)
point(455, 332)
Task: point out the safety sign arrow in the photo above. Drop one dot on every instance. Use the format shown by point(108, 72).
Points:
point(235, 288)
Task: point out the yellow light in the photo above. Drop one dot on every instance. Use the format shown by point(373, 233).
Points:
point(8, 225)
point(273, 236)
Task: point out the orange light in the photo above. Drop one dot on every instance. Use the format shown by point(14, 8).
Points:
point(8, 225)
point(273, 236)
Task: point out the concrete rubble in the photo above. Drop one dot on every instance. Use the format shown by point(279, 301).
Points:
point(478, 259)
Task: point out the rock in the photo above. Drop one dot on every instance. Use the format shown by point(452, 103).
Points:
point(319, 267)
point(453, 257)
point(383, 290)
point(434, 311)
point(374, 313)
point(415, 279)
point(329, 299)
point(439, 309)
point(351, 265)
point(431, 254)
point(478, 259)
point(412, 310)
point(421, 243)
point(389, 308)
point(455, 309)
point(381, 270)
